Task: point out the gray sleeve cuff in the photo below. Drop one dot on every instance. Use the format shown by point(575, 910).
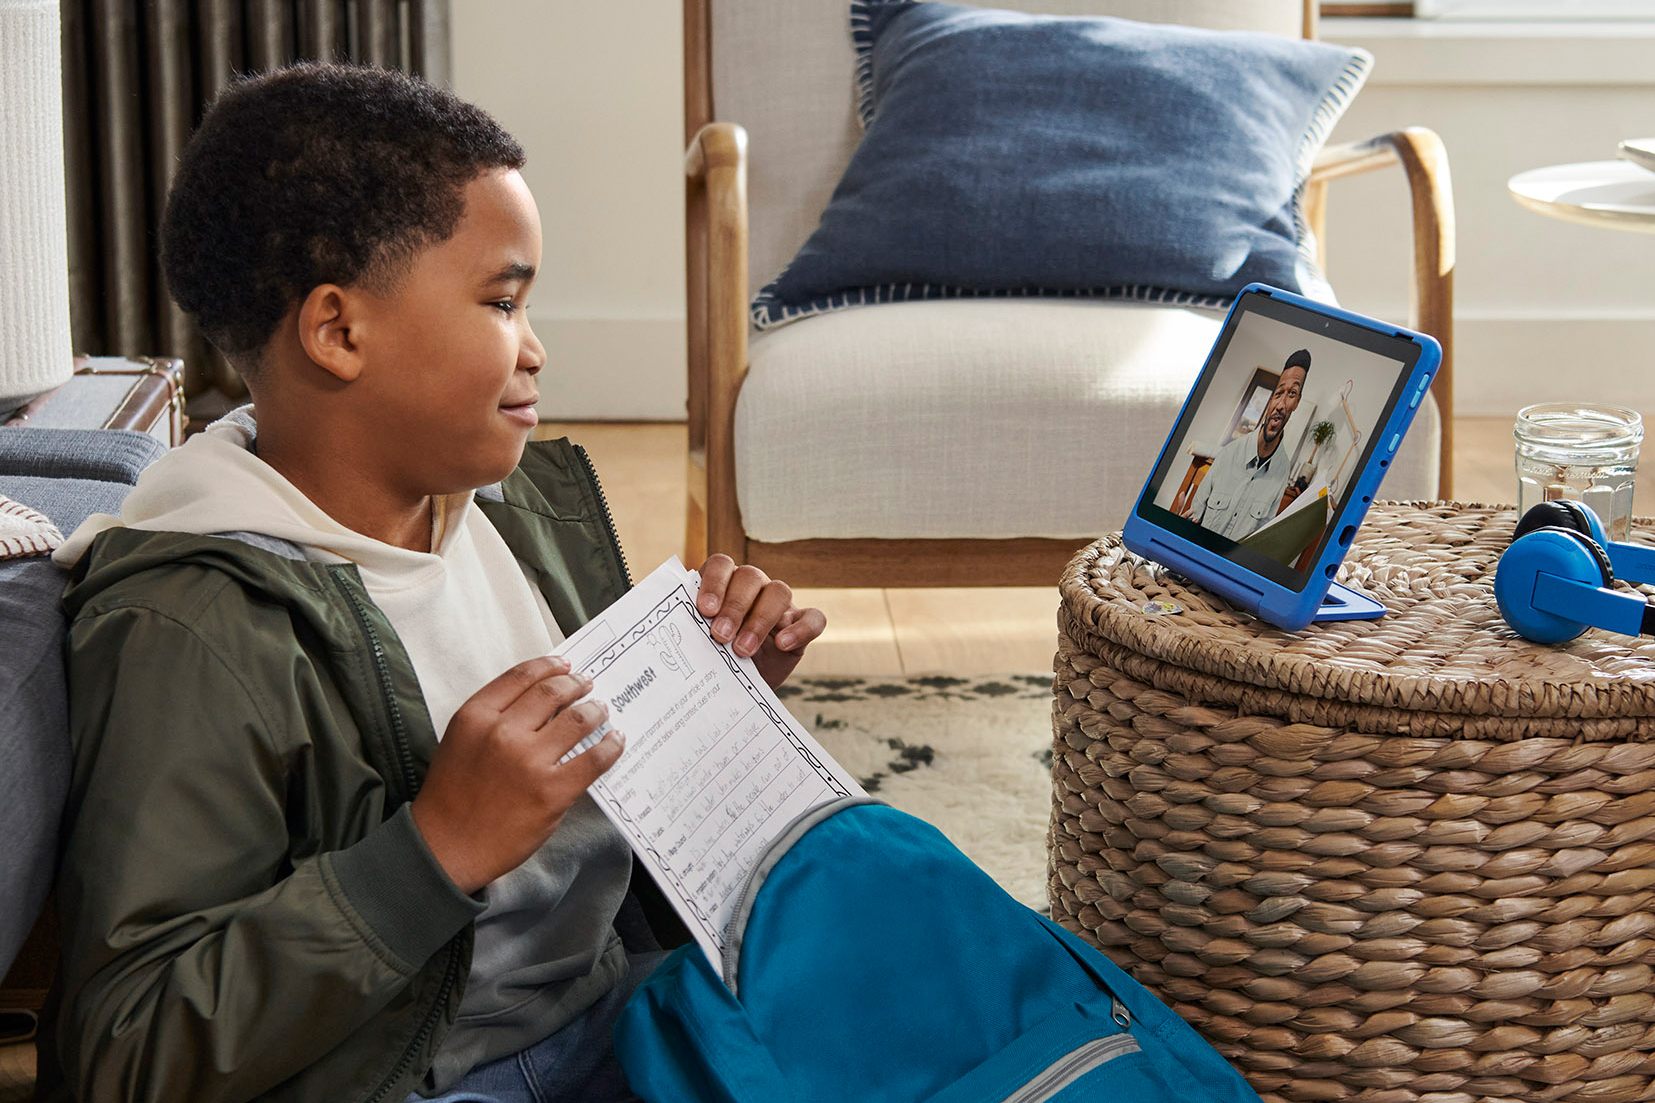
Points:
point(396, 887)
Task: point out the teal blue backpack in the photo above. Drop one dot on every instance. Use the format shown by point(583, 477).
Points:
point(871, 961)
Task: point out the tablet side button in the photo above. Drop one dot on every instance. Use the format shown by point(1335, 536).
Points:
point(1396, 439)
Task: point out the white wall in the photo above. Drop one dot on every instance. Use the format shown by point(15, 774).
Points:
point(1544, 309)
point(594, 93)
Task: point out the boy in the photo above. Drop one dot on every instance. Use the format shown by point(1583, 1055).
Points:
point(319, 845)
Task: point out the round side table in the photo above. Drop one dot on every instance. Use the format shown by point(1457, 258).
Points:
point(1616, 194)
point(1410, 859)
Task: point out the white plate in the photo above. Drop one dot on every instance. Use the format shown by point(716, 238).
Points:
point(1615, 194)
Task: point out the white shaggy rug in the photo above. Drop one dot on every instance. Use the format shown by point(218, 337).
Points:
point(971, 756)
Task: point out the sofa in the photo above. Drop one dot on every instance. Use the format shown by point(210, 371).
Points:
point(64, 474)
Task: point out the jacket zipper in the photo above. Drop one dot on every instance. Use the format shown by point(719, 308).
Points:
point(405, 760)
point(603, 507)
point(451, 974)
point(399, 735)
point(1072, 1066)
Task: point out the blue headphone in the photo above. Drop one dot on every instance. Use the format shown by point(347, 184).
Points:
point(1555, 579)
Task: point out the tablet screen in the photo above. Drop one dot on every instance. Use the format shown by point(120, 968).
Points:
point(1282, 419)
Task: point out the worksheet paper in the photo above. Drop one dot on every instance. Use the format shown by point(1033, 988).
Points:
point(714, 767)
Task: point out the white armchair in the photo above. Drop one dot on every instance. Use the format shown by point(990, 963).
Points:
point(957, 442)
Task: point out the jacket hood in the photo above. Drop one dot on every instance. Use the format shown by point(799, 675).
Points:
point(122, 553)
point(216, 484)
point(183, 491)
point(204, 486)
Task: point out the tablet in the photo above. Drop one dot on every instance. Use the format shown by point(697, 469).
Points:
point(1278, 452)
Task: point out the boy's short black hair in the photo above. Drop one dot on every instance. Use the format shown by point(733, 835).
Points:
point(316, 174)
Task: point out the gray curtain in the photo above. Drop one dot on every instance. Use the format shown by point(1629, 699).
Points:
point(137, 75)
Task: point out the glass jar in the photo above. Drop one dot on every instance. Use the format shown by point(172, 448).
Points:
point(1585, 452)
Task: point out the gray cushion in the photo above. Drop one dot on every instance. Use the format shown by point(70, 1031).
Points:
point(34, 742)
point(107, 455)
point(68, 501)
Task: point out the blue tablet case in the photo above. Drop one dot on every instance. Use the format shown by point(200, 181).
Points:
point(1321, 599)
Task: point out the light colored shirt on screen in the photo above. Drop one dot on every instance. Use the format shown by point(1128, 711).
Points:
point(1241, 492)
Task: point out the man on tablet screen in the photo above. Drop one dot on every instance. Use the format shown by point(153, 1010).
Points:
point(1244, 486)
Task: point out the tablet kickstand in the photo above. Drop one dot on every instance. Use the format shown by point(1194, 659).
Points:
point(1343, 603)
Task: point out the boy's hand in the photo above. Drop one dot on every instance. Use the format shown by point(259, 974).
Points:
point(496, 791)
point(749, 607)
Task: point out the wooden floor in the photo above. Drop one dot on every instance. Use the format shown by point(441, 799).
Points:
point(965, 631)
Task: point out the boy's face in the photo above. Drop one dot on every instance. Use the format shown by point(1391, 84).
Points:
point(451, 358)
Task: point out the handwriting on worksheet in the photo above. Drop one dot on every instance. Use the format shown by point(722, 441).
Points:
point(714, 768)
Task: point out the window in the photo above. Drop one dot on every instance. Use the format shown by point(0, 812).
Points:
point(1532, 10)
point(1542, 10)
point(1345, 7)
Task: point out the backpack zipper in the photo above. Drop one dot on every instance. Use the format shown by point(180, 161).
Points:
point(735, 927)
point(405, 761)
point(1072, 1066)
point(603, 508)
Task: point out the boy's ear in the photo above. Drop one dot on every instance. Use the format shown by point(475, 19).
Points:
point(329, 319)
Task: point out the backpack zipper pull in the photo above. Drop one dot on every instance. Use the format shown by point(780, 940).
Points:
point(1118, 1012)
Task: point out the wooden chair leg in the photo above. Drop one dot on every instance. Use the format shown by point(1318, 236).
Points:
point(695, 533)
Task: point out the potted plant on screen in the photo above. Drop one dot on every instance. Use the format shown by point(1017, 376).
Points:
point(1320, 434)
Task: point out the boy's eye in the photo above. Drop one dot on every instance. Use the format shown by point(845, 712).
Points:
point(505, 306)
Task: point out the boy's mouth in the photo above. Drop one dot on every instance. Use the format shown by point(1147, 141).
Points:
point(522, 411)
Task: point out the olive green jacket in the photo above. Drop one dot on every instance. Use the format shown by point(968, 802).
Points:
point(248, 911)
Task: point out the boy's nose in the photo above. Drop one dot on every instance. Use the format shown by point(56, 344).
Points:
point(531, 354)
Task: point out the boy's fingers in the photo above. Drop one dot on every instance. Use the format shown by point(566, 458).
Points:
point(801, 629)
point(743, 589)
point(715, 576)
point(499, 694)
point(773, 602)
point(592, 763)
point(544, 700)
point(570, 726)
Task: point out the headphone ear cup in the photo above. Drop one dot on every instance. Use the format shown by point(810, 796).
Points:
point(1601, 554)
point(1588, 517)
point(1554, 550)
point(1562, 513)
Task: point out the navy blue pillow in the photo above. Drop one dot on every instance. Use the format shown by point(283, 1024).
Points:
point(1013, 154)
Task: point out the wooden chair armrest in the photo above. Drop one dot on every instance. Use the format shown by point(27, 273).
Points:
point(1424, 162)
point(715, 176)
point(716, 145)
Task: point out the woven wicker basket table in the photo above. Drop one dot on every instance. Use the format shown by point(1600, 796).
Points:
point(1408, 859)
